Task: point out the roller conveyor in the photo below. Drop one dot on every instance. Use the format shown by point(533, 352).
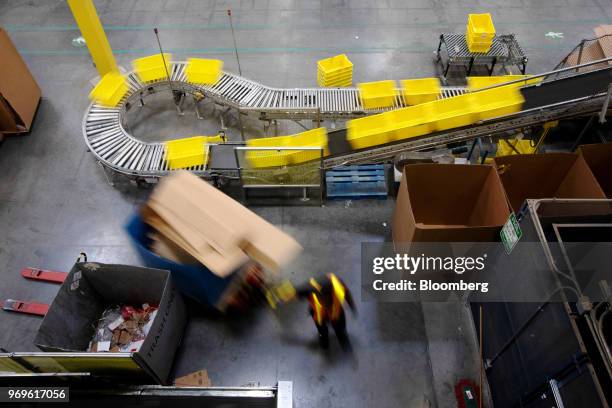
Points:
point(116, 149)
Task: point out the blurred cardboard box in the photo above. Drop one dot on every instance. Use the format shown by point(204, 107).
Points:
point(215, 229)
point(19, 92)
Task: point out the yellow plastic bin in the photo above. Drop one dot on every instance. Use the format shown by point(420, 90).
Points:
point(454, 112)
point(500, 101)
point(276, 141)
point(415, 91)
point(380, 94)
point(481, 26)
point(110, 90)
point(203, 71)
point(152, 68)
point(188, 152)
point(412, 121)
point(268, 158)
point(311, 138)
point(523, 146)
point(369, 131)
point(334, 65)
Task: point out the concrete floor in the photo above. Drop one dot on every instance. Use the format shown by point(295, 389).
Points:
point(55, 202)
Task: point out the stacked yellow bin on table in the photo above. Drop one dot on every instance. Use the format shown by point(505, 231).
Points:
point(335, 72)
point(479, 33)
point(277, 158)
point(152, 68)
point(375, 95)
point(110, 90)
point(189, 152)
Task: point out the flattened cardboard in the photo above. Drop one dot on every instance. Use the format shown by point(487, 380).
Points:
point(245, 230)
point(19, 92)
point(599, 159)
point(548, 175)
point(449, 203)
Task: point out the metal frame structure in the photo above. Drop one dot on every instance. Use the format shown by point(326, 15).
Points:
point(504, 50)
point(118, 151)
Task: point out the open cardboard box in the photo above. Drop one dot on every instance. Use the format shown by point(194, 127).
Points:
point(449, 203)
point(599, 159)
point(19, 92)
point(548, 175)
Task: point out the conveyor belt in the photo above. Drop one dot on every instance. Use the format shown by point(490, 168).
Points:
point(116, 149)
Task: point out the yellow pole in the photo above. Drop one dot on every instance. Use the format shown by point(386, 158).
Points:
point(86, 17)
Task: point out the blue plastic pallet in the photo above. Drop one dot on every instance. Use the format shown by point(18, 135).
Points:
point(353, 182)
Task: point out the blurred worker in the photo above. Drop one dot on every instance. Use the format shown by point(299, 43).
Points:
point(326, 297)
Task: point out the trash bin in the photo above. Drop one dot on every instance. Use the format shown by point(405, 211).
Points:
point(91, 288)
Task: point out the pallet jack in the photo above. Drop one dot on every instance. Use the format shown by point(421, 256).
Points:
point(42, 275)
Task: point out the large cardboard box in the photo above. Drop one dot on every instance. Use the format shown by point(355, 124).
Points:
point(89, 289)
point(599, 159)
point(449, 203)
point(548, 175)
point(215, 229)
point(19, 92)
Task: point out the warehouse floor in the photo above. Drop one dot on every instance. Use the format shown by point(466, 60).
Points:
point(55, 201)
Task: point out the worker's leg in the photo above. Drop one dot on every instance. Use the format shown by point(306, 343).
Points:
point(339, 326)
point(323, 334)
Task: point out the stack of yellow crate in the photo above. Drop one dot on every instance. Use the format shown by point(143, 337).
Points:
point(335, 72)
point(480, 32)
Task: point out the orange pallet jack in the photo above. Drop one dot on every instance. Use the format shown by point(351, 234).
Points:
point(43, 275)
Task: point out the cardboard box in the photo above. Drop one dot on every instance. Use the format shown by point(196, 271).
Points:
point(19, 92)
point(449, 203)
point(214, 228)
point(89, 289)
point(548, 175)
point(599, 159)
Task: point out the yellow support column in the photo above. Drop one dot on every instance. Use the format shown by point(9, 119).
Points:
point(87, 19)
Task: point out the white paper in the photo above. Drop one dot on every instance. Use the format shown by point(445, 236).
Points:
point(104, 345)
point(116, 323)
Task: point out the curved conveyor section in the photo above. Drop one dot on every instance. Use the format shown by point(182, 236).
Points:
point(115, 148)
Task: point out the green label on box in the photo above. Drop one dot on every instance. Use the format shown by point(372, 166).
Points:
point(510, 233)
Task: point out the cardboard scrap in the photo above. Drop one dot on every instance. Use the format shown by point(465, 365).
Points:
point(196, 379)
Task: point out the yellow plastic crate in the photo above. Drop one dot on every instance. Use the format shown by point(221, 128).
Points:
point(500, 101)
point(412, 121)
point(481, 26)
point(268, 158)
point(339, 63)
point(152, 68)
point(523, 146)
point(369, 131)
point(380, 94)
point(110, 90)
point(454, 112)
point(314, 137)
point(276, 141)
point(415, 91)
point(204, 71)
point(188, 152)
